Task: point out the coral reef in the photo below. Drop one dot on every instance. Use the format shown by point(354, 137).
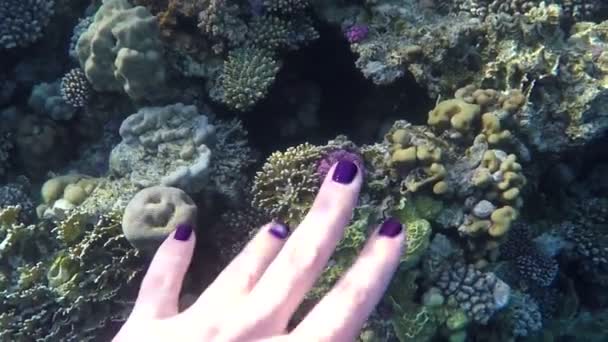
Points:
point(75, 88)
point(121, 51)
point(479, 294)
point(248, 73)
point(287, 183)
point(153, 213)
point(478, 124)
point(165, 146)
point(68, 281)
point(23, 22)
point(523, 315)
point(47, 100)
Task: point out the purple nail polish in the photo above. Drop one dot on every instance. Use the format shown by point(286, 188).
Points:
point(182, 232)
point(344, 172)
point(391, 227)
point(279, 230)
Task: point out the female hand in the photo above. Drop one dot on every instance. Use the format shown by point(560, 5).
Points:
point(254, 297)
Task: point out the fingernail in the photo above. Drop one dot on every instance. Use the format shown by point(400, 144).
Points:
point(279, 230)
point(344, 172)
point(183, 232)
point(391, 227)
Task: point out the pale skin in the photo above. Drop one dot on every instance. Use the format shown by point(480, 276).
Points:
point(257, 293)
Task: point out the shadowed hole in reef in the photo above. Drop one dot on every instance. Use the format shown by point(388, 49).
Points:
point(349, 103)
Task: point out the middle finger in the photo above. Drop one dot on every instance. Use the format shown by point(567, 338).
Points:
point(304, 256)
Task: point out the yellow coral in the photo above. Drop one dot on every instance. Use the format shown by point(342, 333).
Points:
point(501, 220)
point(456, 112)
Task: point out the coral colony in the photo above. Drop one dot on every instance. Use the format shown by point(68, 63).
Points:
point(478, 124)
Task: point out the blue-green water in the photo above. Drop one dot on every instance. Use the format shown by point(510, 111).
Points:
point(480, 124)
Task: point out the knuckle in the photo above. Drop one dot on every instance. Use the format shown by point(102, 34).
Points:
point(305, 260)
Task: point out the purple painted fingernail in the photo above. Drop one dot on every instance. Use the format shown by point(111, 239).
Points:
point(391, 227)
point(279, 230)
point(344, 172)
point(182, 232)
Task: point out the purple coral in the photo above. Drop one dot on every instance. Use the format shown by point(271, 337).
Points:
point(332, 157)
point(356, 33)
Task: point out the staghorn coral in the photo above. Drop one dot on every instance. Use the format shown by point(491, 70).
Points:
point(247, 75)
point(64, 288)
point(23, 22)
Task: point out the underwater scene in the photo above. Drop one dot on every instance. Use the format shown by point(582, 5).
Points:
point(482, 125)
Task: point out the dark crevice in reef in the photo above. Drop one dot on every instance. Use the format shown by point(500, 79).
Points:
point(349, 104)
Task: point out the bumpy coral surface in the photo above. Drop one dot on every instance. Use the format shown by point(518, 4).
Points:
point(524, 315)
point(23, 22)
point(165, 146)
point(479, 294)
point(75, 88)
point(121, 51)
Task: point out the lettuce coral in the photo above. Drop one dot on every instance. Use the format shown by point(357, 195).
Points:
point(68, 285)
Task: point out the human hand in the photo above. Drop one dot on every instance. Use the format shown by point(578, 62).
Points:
point(254, 297)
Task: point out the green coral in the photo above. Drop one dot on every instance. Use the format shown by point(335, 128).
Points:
point(413, 324)
point(59, 287)
point(248, 73)
point(410, 213)
point(287, 183)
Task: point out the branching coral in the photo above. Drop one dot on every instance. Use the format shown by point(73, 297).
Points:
point(287, 183)
point(248, 73)
point(23, 22)
point(64, 288)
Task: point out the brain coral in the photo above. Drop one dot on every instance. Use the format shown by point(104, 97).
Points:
point(121, 50)
point(22, 21)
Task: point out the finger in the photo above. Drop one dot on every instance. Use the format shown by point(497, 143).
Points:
point(302, 259)
point(340, 315)
point(241, 275)
point(160, 288)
